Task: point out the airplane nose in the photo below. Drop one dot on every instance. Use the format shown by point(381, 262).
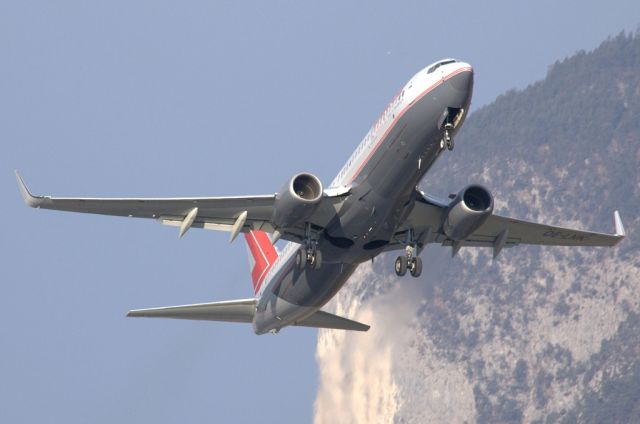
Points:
point(463, 81)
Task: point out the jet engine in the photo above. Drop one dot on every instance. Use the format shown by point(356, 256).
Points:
point(467, 212)
point(297, 200)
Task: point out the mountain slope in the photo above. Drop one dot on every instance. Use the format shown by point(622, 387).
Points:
point(541, 334)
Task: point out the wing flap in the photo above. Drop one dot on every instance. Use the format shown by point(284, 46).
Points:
point(242, 310)
point(322, 319)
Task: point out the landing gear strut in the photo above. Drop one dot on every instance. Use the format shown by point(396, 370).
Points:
point(446, 138)
point(409, 260)
point(309, 254)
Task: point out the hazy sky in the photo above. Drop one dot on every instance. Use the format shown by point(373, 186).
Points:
point(166, 98)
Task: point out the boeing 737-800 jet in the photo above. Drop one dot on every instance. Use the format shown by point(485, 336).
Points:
point(372, 206)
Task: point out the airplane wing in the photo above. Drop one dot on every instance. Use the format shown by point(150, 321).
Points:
point(232, 214)
point(498, 231)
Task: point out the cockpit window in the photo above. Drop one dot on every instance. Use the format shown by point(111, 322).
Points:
point(439, 64)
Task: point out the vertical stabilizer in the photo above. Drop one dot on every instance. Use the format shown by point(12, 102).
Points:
point(262, 255)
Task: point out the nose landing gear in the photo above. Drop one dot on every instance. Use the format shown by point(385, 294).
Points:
point(446, 138)
point(451, 118)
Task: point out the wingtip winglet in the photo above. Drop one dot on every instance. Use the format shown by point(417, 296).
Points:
point(620, 232)
point(28, 198)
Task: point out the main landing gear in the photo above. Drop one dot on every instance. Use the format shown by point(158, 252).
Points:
point(309, 254)
point(413, 264)
point(409, 260)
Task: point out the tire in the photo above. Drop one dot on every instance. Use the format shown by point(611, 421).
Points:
point(301, 258)
point(416, 267)
point(401, 266)
point(317, 262)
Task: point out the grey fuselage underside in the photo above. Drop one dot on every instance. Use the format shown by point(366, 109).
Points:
point(382, 196)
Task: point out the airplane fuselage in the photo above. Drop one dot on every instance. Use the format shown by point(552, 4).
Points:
point(381, 176)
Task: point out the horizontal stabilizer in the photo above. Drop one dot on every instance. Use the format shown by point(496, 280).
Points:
point(322, 319)
point(241, 310)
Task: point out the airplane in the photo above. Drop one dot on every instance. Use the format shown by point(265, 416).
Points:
point(372, 206)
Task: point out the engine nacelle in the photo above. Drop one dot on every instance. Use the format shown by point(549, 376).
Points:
point(297, 200)
point(467, 212)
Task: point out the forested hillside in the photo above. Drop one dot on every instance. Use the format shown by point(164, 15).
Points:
point(541, 334)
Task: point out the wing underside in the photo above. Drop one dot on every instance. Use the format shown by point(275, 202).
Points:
point(498, 231)
point(232, 214)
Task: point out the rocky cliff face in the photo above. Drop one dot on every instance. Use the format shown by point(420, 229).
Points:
point(541, 334)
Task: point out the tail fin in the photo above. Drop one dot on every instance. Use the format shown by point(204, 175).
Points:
point(262, 255)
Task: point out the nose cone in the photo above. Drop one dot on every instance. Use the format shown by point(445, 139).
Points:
point(460, 83)
point(462, 80)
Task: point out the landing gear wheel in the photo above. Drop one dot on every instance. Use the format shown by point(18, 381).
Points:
point(441, 143)
point(316, 259)
point(450, 143)
point(416, 267)
point(301, 258)
point(309, 253)
point(401, 266)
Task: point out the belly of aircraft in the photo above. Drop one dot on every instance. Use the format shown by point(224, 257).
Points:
point(298, 292)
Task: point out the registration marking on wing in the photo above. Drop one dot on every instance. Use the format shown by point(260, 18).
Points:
point(565, 235)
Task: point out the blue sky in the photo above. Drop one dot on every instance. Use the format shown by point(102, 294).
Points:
point(163, 98)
